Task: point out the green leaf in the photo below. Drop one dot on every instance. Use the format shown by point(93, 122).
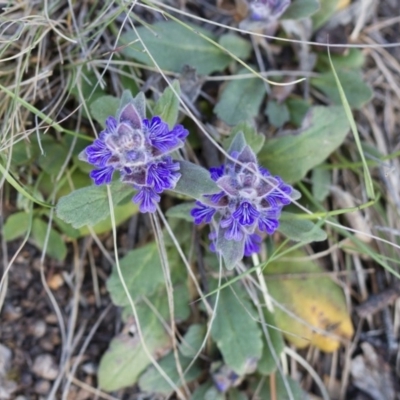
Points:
point(356, 90)
point(194, 181)
point(250, 137)
point(240, 100)
point(122, 212)
point(66, 228)
point(321, 181)
point(292, 157)
point(16, 225)
point(353, 59)
point(281, 390)
point(104, 107)
point(53, 158)
point(142, 271)
point(267, 364)
point(126, 359)
point(234, 394)
point(181, 301)
point(201, 393)
point(237, 143)
point(152, 381)
point(300, 230)
point(56, 247)
point(277, 113)
point(181, 211)
point(236, 45)
point(301, 9)
point(85, 84)
point(89, 205)
point(173, 46)
point(327, 9)
point(192, 340)
point(167, 106)
point(237, 334)
point(298, 109)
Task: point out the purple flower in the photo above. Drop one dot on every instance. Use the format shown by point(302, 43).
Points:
point(202, 213)
point(138, 148)
point(147, 199)
point(267, 10)
point(250, 203)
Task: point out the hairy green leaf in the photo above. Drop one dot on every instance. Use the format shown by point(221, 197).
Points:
point(300, 230)
point(167, 106)
point(237, 334)
point(240, 100)
point(173, 46)
point(89, 205)
point(291, 157)
point(152, 381)
point(195, 181)
point(126, 358)
point(142, 272)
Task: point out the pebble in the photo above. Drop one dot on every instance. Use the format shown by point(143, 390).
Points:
point(45, 367)
point(42, 387)
point(89, 368)
point(5, 359)
point(7, 388)
point(38, 329)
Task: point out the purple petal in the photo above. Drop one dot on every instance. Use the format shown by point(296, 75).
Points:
point(98, 153)
point(252, 244)
point(163, 175)
point(267, 10)
point(246, 213)
point(180, 132)
point(217, 172)
point(111, 125)
point(147, 199)
point(213, 241)
point(161, 137)
point(202, 213)
point(130, 115)
point(102, 175)
point(268, 220)
point(280, 193)
point(264, 171)
point(218, 199)
point(233, 229)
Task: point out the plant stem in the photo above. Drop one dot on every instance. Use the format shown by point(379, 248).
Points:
point(263, 284)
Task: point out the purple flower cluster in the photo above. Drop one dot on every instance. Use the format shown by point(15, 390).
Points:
point(250, 202)
point(267, 10)
point(138, 148)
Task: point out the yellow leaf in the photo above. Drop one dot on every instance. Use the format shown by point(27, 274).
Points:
point(342, 4)
point(318, 307)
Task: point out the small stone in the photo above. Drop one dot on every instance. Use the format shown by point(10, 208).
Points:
point(12, 313)
point(42, 387)
point(89, 368)
point(44, 367)
point(55, 281)
point(5, 359)
point(38, 329)
point(7, 388)
point(51, 319)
